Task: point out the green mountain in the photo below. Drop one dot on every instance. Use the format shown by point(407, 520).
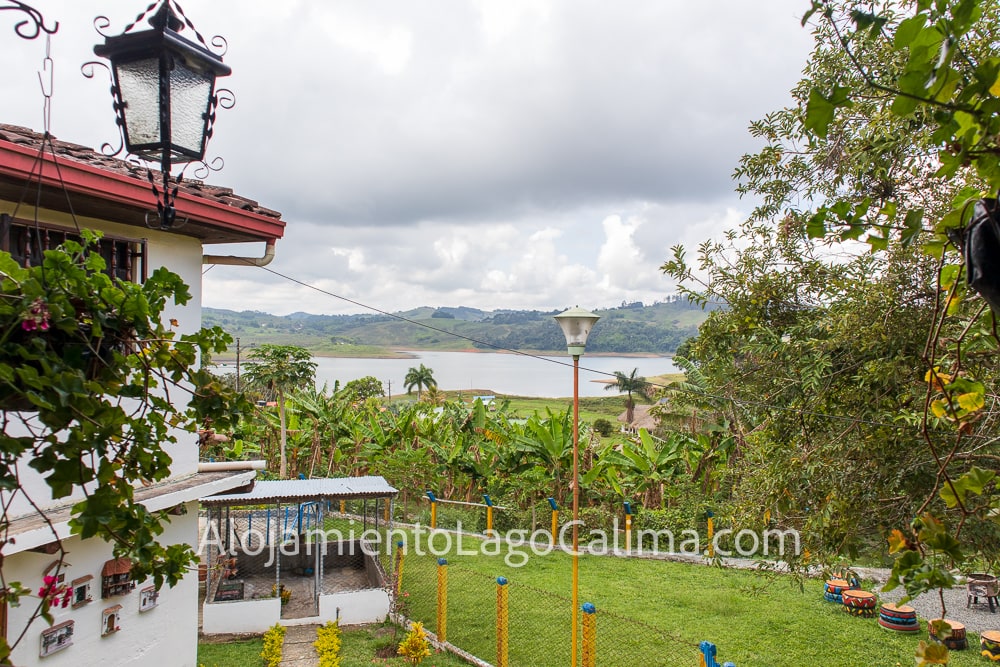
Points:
point(631, 328)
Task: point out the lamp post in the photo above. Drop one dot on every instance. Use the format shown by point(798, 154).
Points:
point(576, 324)
point(164, 96)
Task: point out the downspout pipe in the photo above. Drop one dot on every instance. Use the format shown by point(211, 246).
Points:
point(233, 260)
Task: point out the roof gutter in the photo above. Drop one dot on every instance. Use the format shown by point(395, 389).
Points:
point(233, 260)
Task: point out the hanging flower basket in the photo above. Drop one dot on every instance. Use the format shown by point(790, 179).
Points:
point(64, 320)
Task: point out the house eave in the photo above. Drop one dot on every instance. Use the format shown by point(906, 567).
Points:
point(111, 189)
point(33, 531)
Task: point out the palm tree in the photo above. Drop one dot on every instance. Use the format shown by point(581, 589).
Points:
point(630, 384)
point(280, 368)
point(421, 378)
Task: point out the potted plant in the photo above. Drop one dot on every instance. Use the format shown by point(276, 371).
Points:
point(284, 593)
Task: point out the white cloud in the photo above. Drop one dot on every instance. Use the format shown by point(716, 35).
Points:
point(494, 153)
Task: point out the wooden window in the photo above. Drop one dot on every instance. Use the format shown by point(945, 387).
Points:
point(26, 241)
point(148, 598)
point(81, 591)
point(56, 638)
point(116, 578)
point(110, 620)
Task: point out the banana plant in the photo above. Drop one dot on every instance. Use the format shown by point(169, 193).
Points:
point(645, 465)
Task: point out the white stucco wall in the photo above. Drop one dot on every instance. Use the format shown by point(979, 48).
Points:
point(167, 634)
point(355, 607)
point(241, 616)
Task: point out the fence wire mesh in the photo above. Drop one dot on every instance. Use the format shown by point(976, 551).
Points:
point(294, 551)
point(538, 626)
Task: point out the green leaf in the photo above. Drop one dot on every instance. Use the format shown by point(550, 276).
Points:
point(907, 31)
point(971, 401)
point(973, 481)
point(819, 113)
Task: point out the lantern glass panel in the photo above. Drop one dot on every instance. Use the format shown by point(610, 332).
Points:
point(139, 82)
point(189, 97)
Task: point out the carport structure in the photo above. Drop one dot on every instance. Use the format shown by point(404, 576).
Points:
point(298, 551)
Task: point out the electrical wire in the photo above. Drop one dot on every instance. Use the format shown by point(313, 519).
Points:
point(682, 390)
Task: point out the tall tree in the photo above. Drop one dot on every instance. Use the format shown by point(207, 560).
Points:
point(630, 384)
point(892, 138)
point(279, 369)
point(421, 378)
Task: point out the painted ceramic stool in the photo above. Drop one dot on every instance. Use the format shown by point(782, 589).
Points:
point(833, 590)
point(956, 640)
point(859, 603)
point(899, 618)
point(989, 645)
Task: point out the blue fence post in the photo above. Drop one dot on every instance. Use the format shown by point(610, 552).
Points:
point(489, 514)
point(434, 504)
point(708, 651)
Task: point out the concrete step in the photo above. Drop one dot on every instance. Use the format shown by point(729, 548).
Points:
point(299, 650)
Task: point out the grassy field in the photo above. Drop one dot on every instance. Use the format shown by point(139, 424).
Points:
point(654, 613)
point(648, 613)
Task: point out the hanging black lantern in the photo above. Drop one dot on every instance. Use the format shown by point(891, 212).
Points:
point(164, 94)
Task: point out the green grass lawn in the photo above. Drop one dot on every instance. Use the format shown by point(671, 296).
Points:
point(241, 653)
point(654, 613)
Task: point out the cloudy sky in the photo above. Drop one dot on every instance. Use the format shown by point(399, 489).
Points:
point(532, 154)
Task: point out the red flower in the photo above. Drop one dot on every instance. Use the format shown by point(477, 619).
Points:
point(36, 317)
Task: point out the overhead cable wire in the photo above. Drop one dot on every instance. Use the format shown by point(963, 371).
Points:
point(682, 390)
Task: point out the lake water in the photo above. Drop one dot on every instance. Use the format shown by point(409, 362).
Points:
point(501, 373)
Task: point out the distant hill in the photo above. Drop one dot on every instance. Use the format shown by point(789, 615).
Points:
point(628, 329)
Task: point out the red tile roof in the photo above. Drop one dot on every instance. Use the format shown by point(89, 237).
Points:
point(117, 190)
point(116, 566)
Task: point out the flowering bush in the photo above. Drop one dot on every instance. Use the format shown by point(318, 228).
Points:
point(53, 594)
point(286, 594)
point(327, 645)
point(415, 646)
point(91, 371)
point(274, 644)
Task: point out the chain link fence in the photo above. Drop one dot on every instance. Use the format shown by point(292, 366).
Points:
point(511, 624)
point(296, 552)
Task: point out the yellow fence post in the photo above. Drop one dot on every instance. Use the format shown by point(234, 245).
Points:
point(589, 653)
point(555, 519)
point(399, 567)
point(442, 607)
point(489, 514)
point(502, 628)
point(343, 507)
point(628, 527)
point(387, 510)
point(711, 532)
point(434, 509)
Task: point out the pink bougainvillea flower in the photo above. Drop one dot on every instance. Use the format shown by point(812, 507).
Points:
point(36, 317)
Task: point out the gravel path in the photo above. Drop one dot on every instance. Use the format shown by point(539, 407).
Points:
point(976, 617)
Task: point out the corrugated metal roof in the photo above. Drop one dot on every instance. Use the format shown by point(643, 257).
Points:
point(337, 488)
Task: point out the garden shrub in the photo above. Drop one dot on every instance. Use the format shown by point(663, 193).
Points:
point(274, 643)
point(415, 646)
point(327, 645)
point(595, 518)
point(516, 519)
point(473, 520)
point(603, 427)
